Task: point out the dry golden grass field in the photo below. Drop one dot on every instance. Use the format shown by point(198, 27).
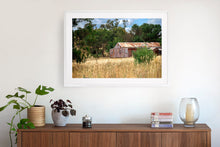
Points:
point(117, 68)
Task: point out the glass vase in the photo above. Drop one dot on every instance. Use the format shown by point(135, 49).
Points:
point(189, 111)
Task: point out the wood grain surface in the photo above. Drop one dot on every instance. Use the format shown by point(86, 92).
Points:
point(119, 128)
point(139, 139)
point(115, 135)
point(92, 139)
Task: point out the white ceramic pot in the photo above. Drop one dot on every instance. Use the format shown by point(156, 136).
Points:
point(58, 118)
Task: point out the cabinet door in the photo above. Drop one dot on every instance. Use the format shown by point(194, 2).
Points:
point(45, 139)
point(31, 139)
point(150, 139)
point(195, 139)
point(99, 139)
point(138, 139)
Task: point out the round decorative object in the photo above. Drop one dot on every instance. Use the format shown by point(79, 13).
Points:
point(36, 115)
point(60, 118)
point(189, 111)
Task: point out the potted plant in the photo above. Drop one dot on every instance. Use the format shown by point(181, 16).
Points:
point(36, 113)
point(20, 103)
point(61, 111)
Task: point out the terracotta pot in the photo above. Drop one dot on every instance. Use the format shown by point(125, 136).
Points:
point(58, 118)
point(36, 115)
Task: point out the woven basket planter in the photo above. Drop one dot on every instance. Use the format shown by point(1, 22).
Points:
point(36, 115)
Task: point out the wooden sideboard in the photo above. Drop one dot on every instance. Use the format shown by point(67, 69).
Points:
point(115, 135)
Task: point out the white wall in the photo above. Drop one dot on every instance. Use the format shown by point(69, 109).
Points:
point(31, 53)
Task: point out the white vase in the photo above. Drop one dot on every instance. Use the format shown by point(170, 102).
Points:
point(58, 118)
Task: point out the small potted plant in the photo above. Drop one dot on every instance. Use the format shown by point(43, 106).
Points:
point(61, 111)
point(20, 102)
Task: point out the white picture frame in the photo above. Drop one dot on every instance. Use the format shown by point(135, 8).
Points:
point(112, 82)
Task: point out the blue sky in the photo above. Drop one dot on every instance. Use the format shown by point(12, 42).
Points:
point(131, 22)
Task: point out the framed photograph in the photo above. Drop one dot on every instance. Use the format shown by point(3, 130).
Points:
point(115, 48)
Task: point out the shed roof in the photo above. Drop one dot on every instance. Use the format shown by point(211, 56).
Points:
point(138, 44)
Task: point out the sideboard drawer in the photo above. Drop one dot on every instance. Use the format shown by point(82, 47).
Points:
point(186, 139)
point(45, 139)
point(138, 139)
point(92, 139)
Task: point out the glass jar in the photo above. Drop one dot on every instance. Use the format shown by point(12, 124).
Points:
point(189, 111)
point(87, 122)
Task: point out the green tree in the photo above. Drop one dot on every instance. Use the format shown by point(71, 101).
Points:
point(93, 41)
point(151, 32)
point(75, 36)
point(136, 33)
point(78, 56)
point(125, 23)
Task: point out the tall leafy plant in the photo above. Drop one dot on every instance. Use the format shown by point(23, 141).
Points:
point(20, 103)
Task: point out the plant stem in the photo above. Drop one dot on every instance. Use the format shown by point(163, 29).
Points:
point(10, 137)
point(19, 115)
point(25, 105)
point(26, 102)
point(12, 121)
point(35, 100)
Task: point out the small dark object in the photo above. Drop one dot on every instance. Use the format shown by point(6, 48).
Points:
point(87, 122)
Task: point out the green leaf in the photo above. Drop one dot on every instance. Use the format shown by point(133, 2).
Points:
point(50, 89)
point(15, 95)
point(23, 90)
point(17, 106)
point(24, 127)
point(43, 90)
point(19, 126)
point(13, 129)
point(22, 96)
point(10, 102)
point(25, 124)
point(9, 96)
point(2, 108)
point(30, 125)
point(23, 121)
point(9, 124)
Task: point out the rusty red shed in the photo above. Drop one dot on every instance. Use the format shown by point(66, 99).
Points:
point(125, 49)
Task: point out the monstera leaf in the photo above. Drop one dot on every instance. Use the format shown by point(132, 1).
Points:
point(23, 90)
point(15, 95)
point(10, 102)
point(43, 90)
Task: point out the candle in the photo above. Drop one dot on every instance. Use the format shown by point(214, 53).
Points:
point(189, 114)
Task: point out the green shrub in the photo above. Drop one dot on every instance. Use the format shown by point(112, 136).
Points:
point(79, 56)
point(143, 55)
